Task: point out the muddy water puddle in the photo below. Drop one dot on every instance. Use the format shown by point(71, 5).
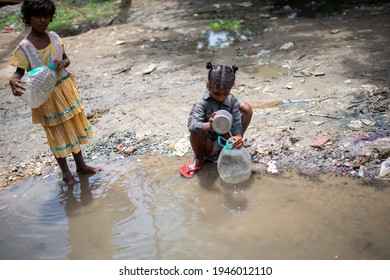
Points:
point(268, 70)
point(141, 208)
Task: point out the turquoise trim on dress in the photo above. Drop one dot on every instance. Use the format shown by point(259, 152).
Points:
point(67, 146)
point(64, 112)
point(88, 128)
point(70, 145)
point(62, 79)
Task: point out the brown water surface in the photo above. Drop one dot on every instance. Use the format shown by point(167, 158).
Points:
point(141, 208)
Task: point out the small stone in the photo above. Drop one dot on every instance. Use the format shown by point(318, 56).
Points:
point(368, 122)
point(2, 207)
point(129, 150)
point(150, 69)
point(319, 73)
point(335, 31)
point(119, 147)
point(245, 4)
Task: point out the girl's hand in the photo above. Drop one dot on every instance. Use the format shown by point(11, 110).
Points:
point(237, 141)
point(212, 117)
point(16, 86)
point(60, 64)
point(208, 125)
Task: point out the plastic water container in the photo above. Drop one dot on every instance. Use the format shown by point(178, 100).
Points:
point(234, 165)
point(39, 84)
point(222, 122)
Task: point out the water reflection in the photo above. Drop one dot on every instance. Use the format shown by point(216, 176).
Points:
point(219, 39)
point(234, 195)
point(141, 208)
point(89, 224)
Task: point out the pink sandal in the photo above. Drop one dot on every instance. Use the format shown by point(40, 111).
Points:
point(189, 169)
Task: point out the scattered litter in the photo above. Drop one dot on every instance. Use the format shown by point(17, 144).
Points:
point(385, 168)
point(355, 124)
point(8, 29)
point(272, 167)
point(319, 143)
point(286, 46)
point(181, 147)
point(372, 137)
point(361, 172)
point(129, 150)
point(120, 42)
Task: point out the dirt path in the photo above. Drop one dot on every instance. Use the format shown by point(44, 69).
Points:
point(318, 86)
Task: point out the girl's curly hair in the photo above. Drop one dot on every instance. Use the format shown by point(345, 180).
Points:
point(37, 8)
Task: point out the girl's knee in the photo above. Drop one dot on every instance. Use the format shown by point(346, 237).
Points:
point(246, 109)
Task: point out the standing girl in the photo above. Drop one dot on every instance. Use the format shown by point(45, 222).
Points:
point(217, 97)
point(62, 114)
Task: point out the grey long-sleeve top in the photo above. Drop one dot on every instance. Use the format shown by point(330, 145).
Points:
point(203, 108)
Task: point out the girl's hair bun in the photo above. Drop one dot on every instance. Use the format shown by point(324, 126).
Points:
point(209, 65)
point(235, 68)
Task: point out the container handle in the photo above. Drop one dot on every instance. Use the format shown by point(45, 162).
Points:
point(228, 145)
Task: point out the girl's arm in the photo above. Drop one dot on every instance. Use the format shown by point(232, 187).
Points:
point(16, 83)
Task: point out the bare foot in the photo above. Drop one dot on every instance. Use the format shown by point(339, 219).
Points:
point(85, 169)
point(69, 179)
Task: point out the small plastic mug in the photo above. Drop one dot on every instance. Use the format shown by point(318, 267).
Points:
point(222, 122)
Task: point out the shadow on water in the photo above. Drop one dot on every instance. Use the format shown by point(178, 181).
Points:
point(141, 208)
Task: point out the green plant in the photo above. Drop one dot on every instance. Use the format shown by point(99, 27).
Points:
point(67, 16)
point(93, 11)
point(7, 21)
point(225, 24)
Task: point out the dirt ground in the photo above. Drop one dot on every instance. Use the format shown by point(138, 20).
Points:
point(318, 86)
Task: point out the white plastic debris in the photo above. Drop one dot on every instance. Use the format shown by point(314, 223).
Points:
point(272, 167)
point(385, 168)
point(181, 147)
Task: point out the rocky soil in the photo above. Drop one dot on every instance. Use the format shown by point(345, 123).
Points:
point(319, 86)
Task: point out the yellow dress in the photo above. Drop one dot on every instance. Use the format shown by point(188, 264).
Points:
point(62, 114)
